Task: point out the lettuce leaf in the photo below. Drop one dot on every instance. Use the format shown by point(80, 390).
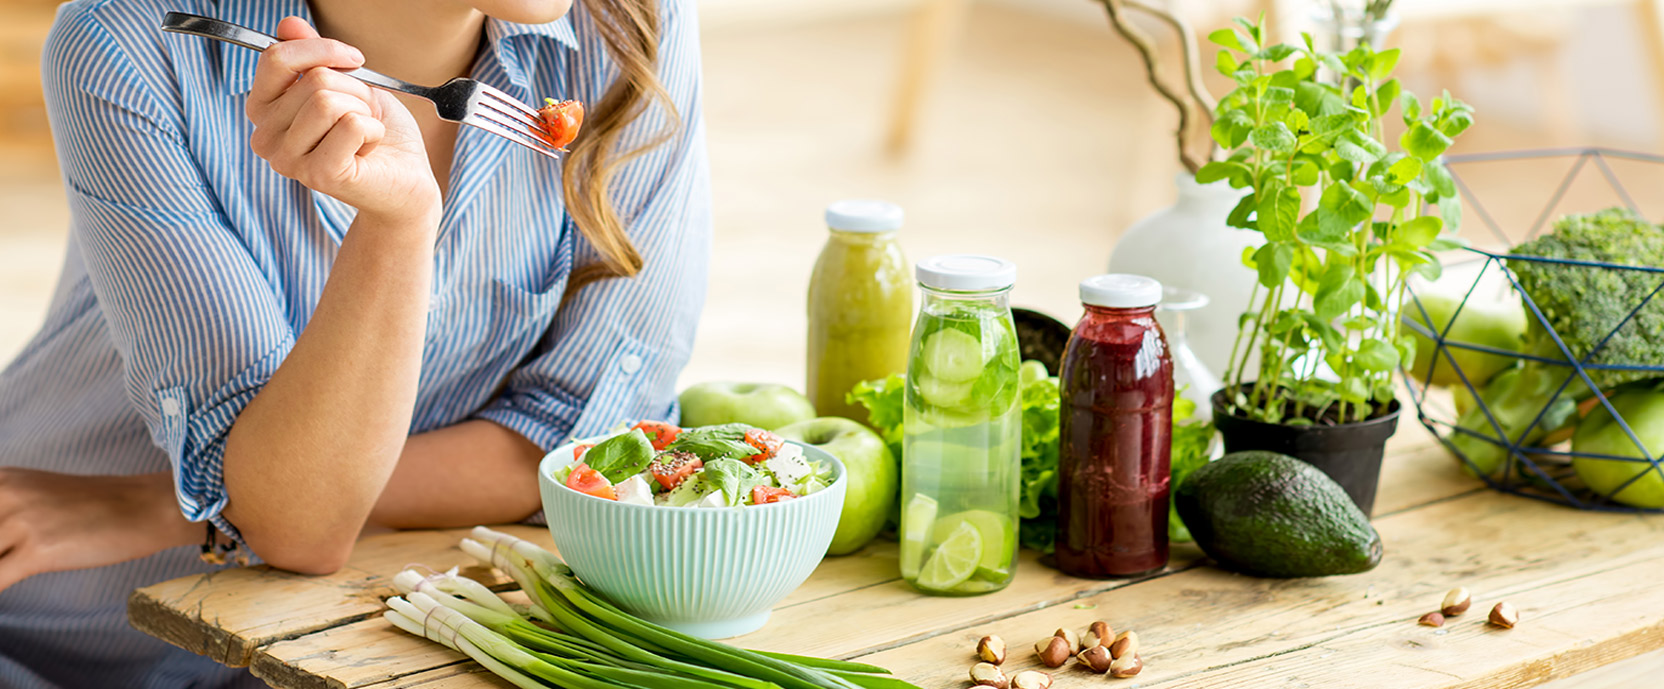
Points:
point(883, 399)
point(734, 478)
point(1192, 439)
point(1037, 504)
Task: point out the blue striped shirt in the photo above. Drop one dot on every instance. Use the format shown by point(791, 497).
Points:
point(192, 267)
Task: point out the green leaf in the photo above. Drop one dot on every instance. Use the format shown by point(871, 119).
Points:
point(1318, 99)
point(1274, 137)
point(1436, 174)
point(1359, 148)
point(1305, 172)
point(1421, 231)
point(621, 456)
point(1404, 170)
point(1278, 94)
point(1455, 123)
point(1273, 261)
point(1382, 64)
point(1424, 142)
point(1304, 68)
point(1375, 355)
point(1332, 63)
point(1278, 210)
point(1227, 38)
point(1229, 131)
point(1224, 62)
point(734, 478)
point(1253, 30)
point(1337, 291)
point(1276, 53)
point(1239, 215)
point(1341, 208)
point(1450, 208)
point(1447, 243)
point(1412, 108)
point(1387, 94)
point(1224, 169)
point(1359, 323)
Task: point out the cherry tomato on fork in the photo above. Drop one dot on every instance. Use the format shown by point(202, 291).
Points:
point(561, 121)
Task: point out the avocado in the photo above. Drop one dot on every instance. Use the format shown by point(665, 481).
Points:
point(1272, 515)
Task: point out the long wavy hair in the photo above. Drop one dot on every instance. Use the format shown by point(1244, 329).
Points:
point(630, 29)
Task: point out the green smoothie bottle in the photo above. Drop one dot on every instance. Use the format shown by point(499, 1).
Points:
point(860, 305)
point(961, 441)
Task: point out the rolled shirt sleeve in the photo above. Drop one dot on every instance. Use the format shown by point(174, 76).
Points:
point(198, 326)
point(615, 349)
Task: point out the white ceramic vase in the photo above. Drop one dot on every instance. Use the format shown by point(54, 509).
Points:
point(1189, 246)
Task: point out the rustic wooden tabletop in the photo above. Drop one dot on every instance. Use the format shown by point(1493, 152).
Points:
point(1586, 585)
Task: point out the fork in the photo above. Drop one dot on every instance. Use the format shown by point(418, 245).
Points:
point(461, 100)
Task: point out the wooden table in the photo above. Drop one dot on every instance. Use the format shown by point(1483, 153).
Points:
point(1589, 588)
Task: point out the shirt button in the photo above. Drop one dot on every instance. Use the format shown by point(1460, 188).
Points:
point(170, 406)
point(630, 363)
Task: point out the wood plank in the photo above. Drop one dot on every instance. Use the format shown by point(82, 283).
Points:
point(844, 590)
point(1578, 578)
point(226, 615)
point(359, 654)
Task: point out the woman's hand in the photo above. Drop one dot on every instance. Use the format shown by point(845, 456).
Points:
point(52, 522)
point(335, 134)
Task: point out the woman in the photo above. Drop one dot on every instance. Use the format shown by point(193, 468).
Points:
point(294, 306)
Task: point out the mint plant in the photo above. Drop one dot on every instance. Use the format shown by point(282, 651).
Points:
point(1346, 221)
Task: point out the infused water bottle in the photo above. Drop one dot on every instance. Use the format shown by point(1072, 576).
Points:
point(1116, 425)
point(860, 305)
point(962, 430)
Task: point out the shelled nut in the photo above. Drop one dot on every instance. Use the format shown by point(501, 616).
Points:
point(1125, 644)
point(989, 675)
point(1504, 615)
point(1053, 651)
point(1070, 636)
point(1126, 666)
point(1432, 619)
point(1099, 634)
point(1095, 658)
point(991, 649)
point(1456, 602)
point(1031, 679)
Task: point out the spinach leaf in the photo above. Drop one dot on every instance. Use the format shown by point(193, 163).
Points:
point(714, 442)
point(620, 456)
point(734, 478)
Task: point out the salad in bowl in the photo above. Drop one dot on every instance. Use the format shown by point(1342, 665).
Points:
point(656, 463)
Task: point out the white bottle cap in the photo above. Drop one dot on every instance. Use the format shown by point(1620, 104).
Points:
point(1120, 291)
point(863, 215)
point(966, 272)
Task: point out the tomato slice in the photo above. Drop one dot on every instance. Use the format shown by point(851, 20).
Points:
point(767, 444)
point(590, 482)
point(561, 121)
point(662, 434)
point(578, 452)
point(764, 495)
point(672, 468)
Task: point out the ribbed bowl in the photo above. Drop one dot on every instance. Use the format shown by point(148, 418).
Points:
point(710, 572)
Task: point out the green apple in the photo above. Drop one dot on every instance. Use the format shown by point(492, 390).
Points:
point(1497, 324)
point(1599, 433)
point(764, 405)
point(872, 470)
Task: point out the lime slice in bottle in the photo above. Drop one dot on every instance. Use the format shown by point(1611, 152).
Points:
point(952, 355)
point(995, 531)
point(916, 518)
point(954, 560)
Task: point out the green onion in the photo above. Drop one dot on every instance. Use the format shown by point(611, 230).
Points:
point(594, 644)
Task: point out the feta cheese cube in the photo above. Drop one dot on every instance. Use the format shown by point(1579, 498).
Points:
point(634, 490)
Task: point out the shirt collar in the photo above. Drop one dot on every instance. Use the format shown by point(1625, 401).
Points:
point(263, 16)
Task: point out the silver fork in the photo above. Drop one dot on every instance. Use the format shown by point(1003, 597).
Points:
point(459, 100)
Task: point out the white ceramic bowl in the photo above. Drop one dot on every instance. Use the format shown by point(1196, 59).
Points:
point(710, 572)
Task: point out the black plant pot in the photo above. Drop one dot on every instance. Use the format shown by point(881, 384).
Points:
point(1349, 453)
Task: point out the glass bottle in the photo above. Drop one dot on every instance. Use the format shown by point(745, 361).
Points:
point(860, 305)
point(1116, 426)
point(961, 446)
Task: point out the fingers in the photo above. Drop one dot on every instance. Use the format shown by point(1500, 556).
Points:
point(300, 52)
point(352, 136)
point(15, 563)
point(322, 112)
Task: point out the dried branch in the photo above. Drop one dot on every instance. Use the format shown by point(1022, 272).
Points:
point(1147, 51)
point(1192, 54)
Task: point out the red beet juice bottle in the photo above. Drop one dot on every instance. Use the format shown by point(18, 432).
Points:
point(1117, 423)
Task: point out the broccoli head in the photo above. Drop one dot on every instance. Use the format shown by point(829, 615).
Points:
point(1585, 304)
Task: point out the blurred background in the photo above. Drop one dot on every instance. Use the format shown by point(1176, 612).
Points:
point(1020, 128)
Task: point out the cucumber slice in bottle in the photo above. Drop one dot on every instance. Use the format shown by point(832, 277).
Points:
point(943, 393)
point(916, 520)
point(952, 355)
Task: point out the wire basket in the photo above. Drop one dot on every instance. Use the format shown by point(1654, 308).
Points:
point(1531, 461)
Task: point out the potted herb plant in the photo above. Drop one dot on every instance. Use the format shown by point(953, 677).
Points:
point(1346, 214)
